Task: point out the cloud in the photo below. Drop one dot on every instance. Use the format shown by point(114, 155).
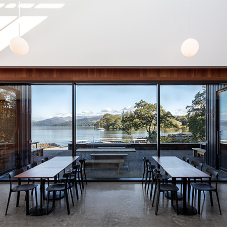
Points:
point(180, 112)
point(107, 109)
point(128, 109)
point(117, 111)
point(87, 112)
point(64, 115)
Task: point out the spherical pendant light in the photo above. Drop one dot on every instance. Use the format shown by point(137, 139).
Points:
point(189, 47)
point(19, 46)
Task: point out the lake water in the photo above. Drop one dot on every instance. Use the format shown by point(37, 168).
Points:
point(61, 135)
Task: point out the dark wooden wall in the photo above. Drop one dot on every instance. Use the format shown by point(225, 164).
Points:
point(112, 74)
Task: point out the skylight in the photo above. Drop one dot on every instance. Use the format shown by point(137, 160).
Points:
point(49, 6)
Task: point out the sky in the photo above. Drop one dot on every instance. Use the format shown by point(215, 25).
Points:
point(91, 100)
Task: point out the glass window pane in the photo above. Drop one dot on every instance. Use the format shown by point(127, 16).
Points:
point(51, 121)
point(120, 116)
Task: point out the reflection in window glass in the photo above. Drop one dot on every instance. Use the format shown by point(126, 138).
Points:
point(15, 121)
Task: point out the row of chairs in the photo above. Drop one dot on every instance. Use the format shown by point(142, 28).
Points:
point(203, 186)
point(151, 175)
point(66, 182)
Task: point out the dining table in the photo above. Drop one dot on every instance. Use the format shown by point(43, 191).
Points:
point(46, 170)
point(177, 168)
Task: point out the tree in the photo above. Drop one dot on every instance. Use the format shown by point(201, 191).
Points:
point(196, 116)
point(109, 121)
point(182, 119)
point(145, 116)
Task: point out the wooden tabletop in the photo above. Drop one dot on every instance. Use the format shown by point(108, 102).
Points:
point(178, 168)
point(106, 150)
point(48, 169)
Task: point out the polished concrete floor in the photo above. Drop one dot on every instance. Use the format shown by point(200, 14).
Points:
point(112, 204)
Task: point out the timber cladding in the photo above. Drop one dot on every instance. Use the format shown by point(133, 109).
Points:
point(113, 74)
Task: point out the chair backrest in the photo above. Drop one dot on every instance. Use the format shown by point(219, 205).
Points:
point(29, 166)
point(197, 164)
point(185, 159)
point(213, 173)
point(44, 159)
point(67, 176)
point(14, 173)
point(150, 167)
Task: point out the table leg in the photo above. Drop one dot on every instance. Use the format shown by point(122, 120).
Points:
point(184, 208)
point(27, 202)
point(40, 209)
point(179, 194)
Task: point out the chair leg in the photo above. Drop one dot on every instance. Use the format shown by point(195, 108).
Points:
point(8, 202)
point(78, 176)
point(218, 202)
point(146, 175)
point(155, 189)
point(152, 183)
point(67, 201)
point(18, 199)
point(48, 194)
point(27, 202)
point(36, 200)
point(71, 195)
point(157, 202)
point(192, 196)
point(82, 180)
point(76, 188)
point(171, 193)
point(85, 177)
point(211, 198)
point(176, 202)
point(149, 180)
point(199, 197)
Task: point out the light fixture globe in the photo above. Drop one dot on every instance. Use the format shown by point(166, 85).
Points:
point(189, 47)
point(19, 46)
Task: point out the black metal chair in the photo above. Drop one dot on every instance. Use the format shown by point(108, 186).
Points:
point(20, 188)
point(60, 187)
point(164, 187)
point(79, 170)
point(145, 163)
point(72, 180)
point(83, 169)
point(200, 166)
point(206, 187)
point(149, 174)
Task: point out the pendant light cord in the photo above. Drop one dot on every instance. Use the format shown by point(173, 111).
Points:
point(19, 18)
point(190, 19)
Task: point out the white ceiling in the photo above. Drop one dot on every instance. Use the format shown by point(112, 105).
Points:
point(116, 33)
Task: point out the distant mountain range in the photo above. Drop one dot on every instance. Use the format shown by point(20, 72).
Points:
point(67, 121)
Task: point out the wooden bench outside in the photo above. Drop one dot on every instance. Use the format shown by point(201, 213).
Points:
point(105, 163)
point(199, 151)
point(38, 151)
point(104, 156)
point(106, 149)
